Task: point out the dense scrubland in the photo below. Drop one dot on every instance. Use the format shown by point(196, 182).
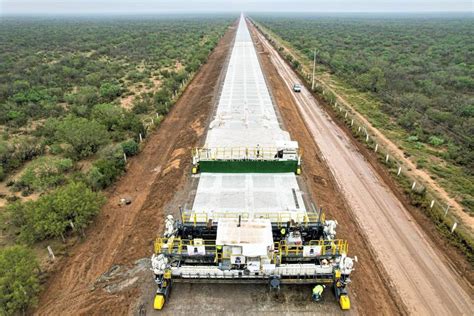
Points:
point(75, 94)
point(412, 77)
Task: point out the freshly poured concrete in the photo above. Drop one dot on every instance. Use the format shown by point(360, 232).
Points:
point(245, 114)
point(249, 192)
point(246, 117)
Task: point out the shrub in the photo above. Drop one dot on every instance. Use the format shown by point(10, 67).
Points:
point(19, 283)
point(105, 170)
point(50, 216)
point(130, 147)
point(109, 91)
point(436, 141)
point(85, 136)
point(44, 173)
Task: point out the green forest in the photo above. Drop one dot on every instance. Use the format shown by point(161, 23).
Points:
point(75, 95)
point(419, 69)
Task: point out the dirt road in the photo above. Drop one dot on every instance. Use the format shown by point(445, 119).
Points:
point(121, 235)
point(394, 149)
point(368, 287)
point(423, 279)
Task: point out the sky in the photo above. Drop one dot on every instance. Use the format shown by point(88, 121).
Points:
point(196, 6)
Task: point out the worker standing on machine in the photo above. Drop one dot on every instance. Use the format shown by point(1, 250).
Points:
point(318, 292)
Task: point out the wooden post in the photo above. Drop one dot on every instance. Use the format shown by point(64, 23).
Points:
point(352, 122)
point(51, 253)
point(446, 211)
point(414, 185)
point(399, 170)
point(386, 158)
point(454, 227)
point(432, 203)
point(376, 147)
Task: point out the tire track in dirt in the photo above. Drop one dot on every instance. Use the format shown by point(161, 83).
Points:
point(121, 235)
point(368, 287)
point(424, 281)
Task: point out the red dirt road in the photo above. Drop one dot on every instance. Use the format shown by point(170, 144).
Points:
point(368, 287)
point(121, 235)
point(423, 279)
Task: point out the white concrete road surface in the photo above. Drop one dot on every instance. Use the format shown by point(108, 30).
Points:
point(424, 281)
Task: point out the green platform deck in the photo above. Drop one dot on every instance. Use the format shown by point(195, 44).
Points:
point(248, 166)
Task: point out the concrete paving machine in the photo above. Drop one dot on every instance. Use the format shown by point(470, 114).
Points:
point(274, 248)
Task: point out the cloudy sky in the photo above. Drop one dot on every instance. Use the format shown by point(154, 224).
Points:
point(156, 6)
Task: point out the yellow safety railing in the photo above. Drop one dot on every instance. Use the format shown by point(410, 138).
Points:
point(281, 218)
point(201, 217)
point(328, 247)
point(217, 153)
point(178, 246)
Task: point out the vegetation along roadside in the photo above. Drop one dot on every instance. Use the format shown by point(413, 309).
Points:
point(376, 64)
point(76, 98)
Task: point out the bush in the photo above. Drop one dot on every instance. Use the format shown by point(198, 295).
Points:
point(105, 170)
point(436, 141)
point(19, 283)
point(130, 147)
point(109, 91)
point(114, 118)
point(13, 154)
point(50, 216)
point(109, 115)
point(85, 136)
point(44, 173)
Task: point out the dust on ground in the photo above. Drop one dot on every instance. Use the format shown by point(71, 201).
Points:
point(121, 235)
point(368, 287)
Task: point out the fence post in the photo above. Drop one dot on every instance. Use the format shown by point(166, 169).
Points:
point(414, 185)
point(454, 227)
point(125, 157)
point(51, 253)
point(352, 122)
point(446, 211)
point(386, 158)
point(376, 147)
point(432, 203)
point(140, 136)
point(399, 170)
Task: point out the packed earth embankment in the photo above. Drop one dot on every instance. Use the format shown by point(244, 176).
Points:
point(413, 263)
point(121, 235)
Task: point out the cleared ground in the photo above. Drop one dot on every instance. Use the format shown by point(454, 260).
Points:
point(121, 235)
point(101, 275)
point(417, 271)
